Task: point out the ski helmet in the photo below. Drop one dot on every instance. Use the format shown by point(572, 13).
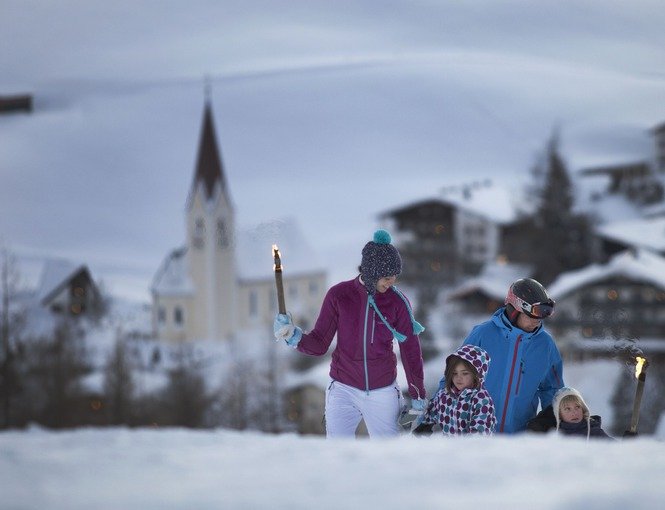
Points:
point(528, 296)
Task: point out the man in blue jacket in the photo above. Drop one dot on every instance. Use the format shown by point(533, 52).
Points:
point(526, 365)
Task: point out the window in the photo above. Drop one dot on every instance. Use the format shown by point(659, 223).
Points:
point(178, 316)
point(161, 315)
point(253, 303)
point(273, 298)
point(199, 233)
point(222, 234)
point(313, 288)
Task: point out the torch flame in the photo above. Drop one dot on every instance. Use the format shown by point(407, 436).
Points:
point(277, 257)
point(639, 365)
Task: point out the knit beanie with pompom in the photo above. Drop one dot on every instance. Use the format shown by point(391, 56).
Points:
point(380, 259)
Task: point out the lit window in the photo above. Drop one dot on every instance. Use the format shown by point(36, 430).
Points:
point(612, 295)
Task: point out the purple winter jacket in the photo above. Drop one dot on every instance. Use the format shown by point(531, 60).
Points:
point(364, 357)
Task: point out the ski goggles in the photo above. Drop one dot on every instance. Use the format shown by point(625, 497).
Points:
point(533, 310)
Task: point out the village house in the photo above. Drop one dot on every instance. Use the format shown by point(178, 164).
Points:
point(602, 307)
point(56, 289)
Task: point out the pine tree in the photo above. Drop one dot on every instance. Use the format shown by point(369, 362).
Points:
point(562, 239)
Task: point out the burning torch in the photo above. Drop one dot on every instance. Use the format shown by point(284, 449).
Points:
point(278, 280)
point(641, 365)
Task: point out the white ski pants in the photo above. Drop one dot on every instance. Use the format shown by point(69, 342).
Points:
point(346, 406)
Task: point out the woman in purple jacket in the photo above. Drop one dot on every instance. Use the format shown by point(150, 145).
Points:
point(366, 314)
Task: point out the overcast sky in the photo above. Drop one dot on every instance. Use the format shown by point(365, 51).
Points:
point(329, 112)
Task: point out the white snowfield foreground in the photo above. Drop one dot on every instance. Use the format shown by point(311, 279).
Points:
point(123, 469)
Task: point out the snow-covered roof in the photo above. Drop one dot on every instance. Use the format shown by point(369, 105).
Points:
point(484, 199)
point(172, 277)
point(592, 198)
point(254, 251)
point(642, 233)
point(493, 281)
point(641, 265)
point(55, 274)
point(487, 200)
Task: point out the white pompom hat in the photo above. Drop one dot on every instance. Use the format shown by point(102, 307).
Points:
point(558, 397)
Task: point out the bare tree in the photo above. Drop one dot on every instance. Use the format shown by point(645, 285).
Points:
point(55, 366)
point(12, 318)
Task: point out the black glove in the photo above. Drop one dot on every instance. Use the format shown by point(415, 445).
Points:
point(424, 429)
point(629, 434)
point(543, 421)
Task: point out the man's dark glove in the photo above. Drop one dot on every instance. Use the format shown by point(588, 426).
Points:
point(424, 429)
point(543, 421)
point(629, 434)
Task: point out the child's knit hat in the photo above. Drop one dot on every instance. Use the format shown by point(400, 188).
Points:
point(380, 259)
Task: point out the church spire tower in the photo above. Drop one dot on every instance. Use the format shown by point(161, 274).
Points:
point(210, 218)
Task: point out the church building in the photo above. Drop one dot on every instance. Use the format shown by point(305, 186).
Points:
point(221, 282)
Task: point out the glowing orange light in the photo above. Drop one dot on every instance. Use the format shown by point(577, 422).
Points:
point(639, 365)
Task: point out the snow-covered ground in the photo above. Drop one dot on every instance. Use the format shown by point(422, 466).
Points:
point(120, 468)
point(111, 469)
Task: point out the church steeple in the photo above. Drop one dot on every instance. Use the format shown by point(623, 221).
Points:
point(209, 169)
point(210, 222)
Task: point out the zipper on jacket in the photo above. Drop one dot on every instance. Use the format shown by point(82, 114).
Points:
point(510, 383)
point(373, 325)
point(365, 348)
point(519, 377)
